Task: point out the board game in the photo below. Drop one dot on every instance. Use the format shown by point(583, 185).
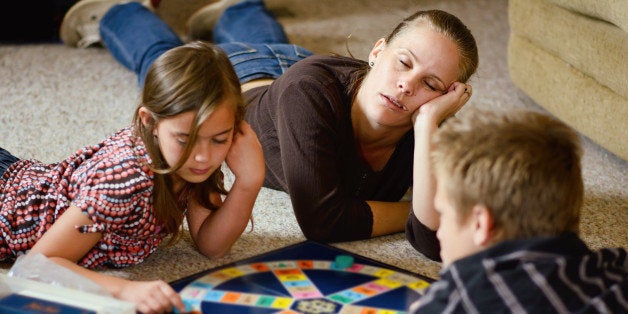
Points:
point(306, 277)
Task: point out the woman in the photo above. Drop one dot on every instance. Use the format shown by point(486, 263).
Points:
point(340, 135)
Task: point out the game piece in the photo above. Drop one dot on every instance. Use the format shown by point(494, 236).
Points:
point(343, 261)
point(306, 277)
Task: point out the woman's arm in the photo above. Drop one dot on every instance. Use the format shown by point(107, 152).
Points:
point(312, 159)
point(215, 232)
point(426, 121)
point(388, 217)
point(65, 245)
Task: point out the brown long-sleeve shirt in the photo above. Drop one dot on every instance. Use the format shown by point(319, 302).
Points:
point(303, 121)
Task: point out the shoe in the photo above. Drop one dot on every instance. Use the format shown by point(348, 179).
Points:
point(151, 4)
point(200, 25)
point(175, 13)
point(79, 27)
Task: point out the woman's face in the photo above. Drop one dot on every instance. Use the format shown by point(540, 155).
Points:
point(213, 140)
point(416, 67)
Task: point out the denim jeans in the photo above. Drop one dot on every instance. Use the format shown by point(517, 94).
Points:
point(6, 159)
point(254, 41)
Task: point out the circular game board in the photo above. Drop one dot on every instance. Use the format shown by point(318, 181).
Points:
point(302, 286)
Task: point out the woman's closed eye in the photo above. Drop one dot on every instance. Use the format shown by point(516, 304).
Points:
point(434, 86)
point(430, 86)
point(405, 61)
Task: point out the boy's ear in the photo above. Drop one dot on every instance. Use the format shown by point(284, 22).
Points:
point(482, 235)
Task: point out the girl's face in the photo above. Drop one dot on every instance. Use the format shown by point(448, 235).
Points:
point(416, 67)
point(210, 149)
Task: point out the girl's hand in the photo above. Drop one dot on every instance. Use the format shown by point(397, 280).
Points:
point(214, 232)
point(440, 108)
point(245, 157)
point(151, 296)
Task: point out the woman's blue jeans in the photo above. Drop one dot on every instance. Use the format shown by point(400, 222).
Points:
point(254, 41)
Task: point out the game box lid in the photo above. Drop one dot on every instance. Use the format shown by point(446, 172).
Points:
point(25, 296)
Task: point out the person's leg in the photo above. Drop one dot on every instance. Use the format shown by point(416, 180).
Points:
point(6, 159)
point(135, 36)
point(255, 42)
point(249, 22)
point(256, 61)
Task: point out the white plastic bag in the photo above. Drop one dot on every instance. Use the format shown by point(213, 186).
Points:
point(38, 267)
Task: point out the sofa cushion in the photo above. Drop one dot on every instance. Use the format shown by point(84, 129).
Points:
point(592, 46)
point(612, 11)
point(574, 97)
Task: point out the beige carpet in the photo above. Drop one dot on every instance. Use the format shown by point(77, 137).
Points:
point(55, 99)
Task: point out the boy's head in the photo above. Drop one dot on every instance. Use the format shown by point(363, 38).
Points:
point(503, 176)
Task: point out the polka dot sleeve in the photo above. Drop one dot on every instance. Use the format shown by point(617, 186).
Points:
point(114, 189)
point(117, 198)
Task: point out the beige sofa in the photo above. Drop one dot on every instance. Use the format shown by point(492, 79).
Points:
point(571, 58)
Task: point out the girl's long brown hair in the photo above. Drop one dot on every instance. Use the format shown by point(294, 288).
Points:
point(196, 77)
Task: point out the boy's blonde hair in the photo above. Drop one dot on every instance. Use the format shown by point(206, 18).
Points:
point(524, 166)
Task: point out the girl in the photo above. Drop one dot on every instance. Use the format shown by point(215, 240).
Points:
point(112, 204)
point(340, 135)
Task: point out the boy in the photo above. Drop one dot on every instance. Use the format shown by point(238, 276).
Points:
point(509, 192)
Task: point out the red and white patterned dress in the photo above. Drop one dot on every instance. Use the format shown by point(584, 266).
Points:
point(110, 182)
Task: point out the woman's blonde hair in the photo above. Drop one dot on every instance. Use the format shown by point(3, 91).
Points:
point(524, 166)
point(196, 77)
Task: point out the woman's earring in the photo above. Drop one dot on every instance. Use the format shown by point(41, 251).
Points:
point(371, 64)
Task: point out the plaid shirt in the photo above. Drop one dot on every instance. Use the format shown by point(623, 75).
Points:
point(542, 275)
